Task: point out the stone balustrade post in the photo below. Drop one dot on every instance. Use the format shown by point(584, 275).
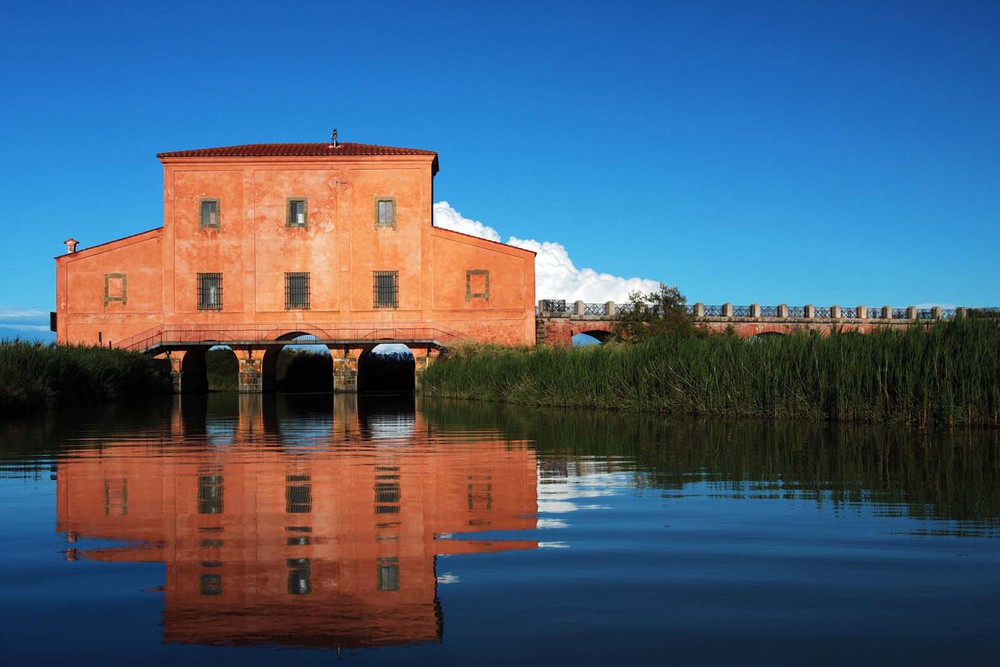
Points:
point(579, 308)
point(835, 312)
point(886, 312)
point(809, 311)
point(936, 312)
point(727, 310)
point(862, 312)
point(783, 310)
point(699, 309)
point(755, 310)
point(541, 306)
point(610, 306)
point(961, 312)
point(911, 312)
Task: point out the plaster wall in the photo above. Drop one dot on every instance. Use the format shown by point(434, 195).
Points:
point(340, 247)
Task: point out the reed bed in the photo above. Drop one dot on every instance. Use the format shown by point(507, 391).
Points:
point(36, 376)
point(947, 373)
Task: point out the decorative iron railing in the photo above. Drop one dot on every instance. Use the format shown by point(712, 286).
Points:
point(714, 311)
point(769, 311)
point(741, 311)
point(622, 308)
point(250, 334)
point(948, 313)
point(875, 313)
point(598, 309)
point(849, 313)
point(925, 314)
point(556, 306)
point(900, 314)
point(797, 311)
point(823, 312)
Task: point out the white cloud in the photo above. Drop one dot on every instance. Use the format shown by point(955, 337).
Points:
point(556, 276)
point(21, 313)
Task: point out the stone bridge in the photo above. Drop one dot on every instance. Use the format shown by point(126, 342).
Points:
point(557, 321)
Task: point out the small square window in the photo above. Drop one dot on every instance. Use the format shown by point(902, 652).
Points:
point(385, 212)
point(296, 291)
point(388, 573)
point(209, 213)
point(386, 288)
point(209, 291)
point(477, 284)
point(115, 287)
point(296, 212)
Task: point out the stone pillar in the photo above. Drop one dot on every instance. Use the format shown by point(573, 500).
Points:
point(936, 312)
point(961, 312)
point(187, 371)
point(911, 312)
point(699, 309)
point(610, 305)
point(862, 312)
point(727, 310)
point(250, 376)
point(835, 312)
point(251, 419)
point(809, 311)
point(755, 310)
point(783, 310)
point(887, 312)
point(345, 370)
point(579, 308)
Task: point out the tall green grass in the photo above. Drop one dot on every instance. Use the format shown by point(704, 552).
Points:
point(948, 373)
point(36, 376)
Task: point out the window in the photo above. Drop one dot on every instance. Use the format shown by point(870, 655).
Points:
point(210, 492)
point(210, 584)
point(388, 573)
point(209, 213)
point(296, 291)
point(299, 571)
point(386, 289)
point(296, 212)
point(209, 291)
point(115, 288)
point(385, 212)
point(477, 284)
point(298, 494)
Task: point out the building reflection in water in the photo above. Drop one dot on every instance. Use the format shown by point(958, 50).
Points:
point(283, 528)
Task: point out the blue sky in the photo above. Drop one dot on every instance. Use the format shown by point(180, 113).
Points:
point(772, 152)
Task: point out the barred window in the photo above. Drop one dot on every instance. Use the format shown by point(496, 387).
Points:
point(209, 213)
point(296, 291)
point(210, 494)
point(385, 212)
point(209, 291)
point(386, 289)
point(296, 212)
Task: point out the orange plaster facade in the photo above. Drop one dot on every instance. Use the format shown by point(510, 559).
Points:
point(460, 286)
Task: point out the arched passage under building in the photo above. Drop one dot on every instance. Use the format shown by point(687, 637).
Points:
point(387, 369)
point(298, 366)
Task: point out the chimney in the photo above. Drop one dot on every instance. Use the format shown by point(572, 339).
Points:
point(71, 244)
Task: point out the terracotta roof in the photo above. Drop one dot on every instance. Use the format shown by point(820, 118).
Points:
point(296, 150)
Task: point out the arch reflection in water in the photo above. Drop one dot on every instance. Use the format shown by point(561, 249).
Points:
point(267, 541)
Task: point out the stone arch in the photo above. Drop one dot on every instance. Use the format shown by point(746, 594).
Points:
point(306, 374)
point(387, 368)
point(600, 335)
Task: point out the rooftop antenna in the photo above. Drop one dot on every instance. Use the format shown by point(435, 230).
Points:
point(333, 138)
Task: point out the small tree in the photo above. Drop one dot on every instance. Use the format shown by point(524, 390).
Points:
point(660, 313)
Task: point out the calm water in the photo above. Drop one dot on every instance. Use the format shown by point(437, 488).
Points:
point(311, 530)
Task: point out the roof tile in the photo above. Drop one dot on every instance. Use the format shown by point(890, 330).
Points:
point(296, 150)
